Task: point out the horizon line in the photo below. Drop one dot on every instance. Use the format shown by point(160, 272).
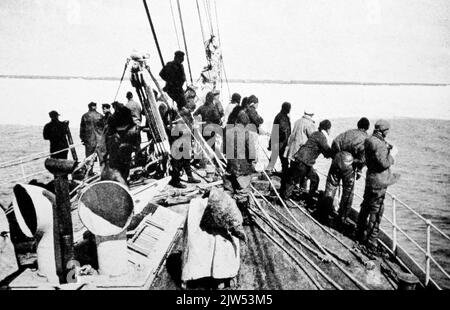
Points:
point(245, 81)
point(391, 118)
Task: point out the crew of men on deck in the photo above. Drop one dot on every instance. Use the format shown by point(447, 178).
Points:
point(298, 149)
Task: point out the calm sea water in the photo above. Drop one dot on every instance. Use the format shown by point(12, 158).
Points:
point(423, 141)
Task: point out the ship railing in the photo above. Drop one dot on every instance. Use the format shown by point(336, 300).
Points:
point(22, 162)
point(427, 268)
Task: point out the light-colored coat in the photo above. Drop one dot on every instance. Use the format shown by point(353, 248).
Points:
point(303, 129)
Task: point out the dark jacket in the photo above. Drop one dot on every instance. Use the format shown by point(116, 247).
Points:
point(309, 152)
point(238, 160)
point(232, 118)
point(106, 116)
point(351, 141)
point(91, 128)
point(255, 119)
point(56, 133)
point(284, 131)
point(120, 136)
point(210, 113)
point(378, 162)
point(173, 74)
point(121, 121)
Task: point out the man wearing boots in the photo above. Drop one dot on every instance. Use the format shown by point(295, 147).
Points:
point(181, 149)
point(379, 159)
point(282, 128)
point(304, 160)
point(240, 154)
point(348, 161)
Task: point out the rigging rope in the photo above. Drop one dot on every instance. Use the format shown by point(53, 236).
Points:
point(184, 39)
point(201, 24)
point(221, 50)
point(39, 156)
point(153, 31)
point(121, 79)
point(208, 17)
point(174, 24)
point(217, 23)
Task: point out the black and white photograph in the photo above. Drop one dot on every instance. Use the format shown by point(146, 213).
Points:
point(239, 148)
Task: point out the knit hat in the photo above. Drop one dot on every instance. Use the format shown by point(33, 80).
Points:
point(382, 125)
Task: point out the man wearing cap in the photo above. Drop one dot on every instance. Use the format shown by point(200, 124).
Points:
point(348, 161)
point(304, 160)
point(235, 101)
point(379, 158)
point(106, 109)
point(91, 128)
point(173, 74)
point(56, 132)
point(303, 129)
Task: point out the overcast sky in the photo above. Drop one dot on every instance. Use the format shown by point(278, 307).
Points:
point(340, 40)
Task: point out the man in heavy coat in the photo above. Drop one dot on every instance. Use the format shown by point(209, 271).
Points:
point(174, 76)
point(56, 133)
point(91, 129)
point(304, 160)
point(303, 129)
point(282, 129)
point(348, 161)
point(379, 159)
